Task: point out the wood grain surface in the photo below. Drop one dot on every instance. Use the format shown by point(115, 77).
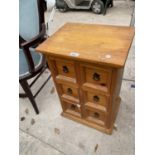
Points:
point(102, 44)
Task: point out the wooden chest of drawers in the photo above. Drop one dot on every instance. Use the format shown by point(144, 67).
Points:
point(87, 63)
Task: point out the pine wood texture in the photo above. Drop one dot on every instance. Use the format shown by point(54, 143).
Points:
point(89, 84)
point(92, 42)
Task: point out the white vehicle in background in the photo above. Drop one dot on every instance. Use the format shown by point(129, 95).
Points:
point(97, 6)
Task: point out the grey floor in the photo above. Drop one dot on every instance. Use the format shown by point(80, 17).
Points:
point(50, 134)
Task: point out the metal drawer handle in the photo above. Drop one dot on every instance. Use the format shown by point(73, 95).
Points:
point(96, 115)
point(96, 98)
point(73, 107)
point(96, 76)
point(69, 91)
point(65, 69)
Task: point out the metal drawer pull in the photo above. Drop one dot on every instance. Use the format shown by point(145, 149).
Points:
point(69, 91)
point(73, 107)
point(96, 98)
point(65, 69)
point(96, 76)
point(96, 115)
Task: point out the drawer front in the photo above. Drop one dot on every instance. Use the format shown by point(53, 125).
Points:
point(65, 68)
point(95, 117)
point(98, 77)
point(71, 91)
point(72, 108)
point(97, 99)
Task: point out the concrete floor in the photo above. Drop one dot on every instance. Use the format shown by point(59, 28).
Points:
point(50, 134)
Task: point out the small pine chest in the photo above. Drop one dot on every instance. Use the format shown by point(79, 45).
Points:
point(87, 63)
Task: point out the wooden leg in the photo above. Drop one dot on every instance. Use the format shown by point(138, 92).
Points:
point(29, 94)
point(112, 3)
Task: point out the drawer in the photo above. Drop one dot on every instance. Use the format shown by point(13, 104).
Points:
point(99, 77)
point(96, 78)
point(65, 68)
point(72, 108)
point(97, 99)
point(95, 116)
point(70, 93)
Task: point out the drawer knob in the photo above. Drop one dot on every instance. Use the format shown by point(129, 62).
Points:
point(73, 107)
point(96, 115)
point(96, 98)
point(96, 76)
point(69, 91)
point(65, 69)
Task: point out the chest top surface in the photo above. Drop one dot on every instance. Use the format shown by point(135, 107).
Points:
point(102, 44)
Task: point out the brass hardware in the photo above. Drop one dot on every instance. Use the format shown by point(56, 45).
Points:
point(96, 77)
point(73, 107)
point(96, 98)
point(96, 115)
point(69, 91)
point(65, 69)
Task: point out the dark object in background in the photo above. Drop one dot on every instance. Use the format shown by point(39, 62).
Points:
point(22, 118)
point(45, 5)
point(97, 6)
